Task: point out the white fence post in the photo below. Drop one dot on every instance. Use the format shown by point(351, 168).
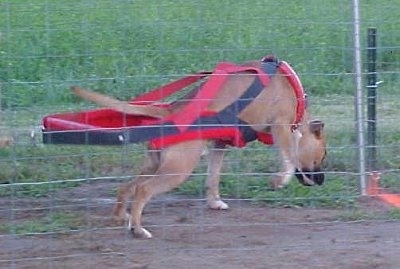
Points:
point(358, 96)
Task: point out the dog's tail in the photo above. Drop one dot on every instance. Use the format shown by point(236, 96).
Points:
point(120, 106)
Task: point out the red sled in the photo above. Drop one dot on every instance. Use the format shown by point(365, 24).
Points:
point(109, 127)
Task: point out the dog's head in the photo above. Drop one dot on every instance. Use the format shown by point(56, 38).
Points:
point(310, 154)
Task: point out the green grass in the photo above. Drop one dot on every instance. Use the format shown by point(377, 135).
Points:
point(356, 214)
point(128, 47)
point(54, 222)
point(38, 171)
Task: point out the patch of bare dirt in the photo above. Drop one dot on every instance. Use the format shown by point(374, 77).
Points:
point(188, 235)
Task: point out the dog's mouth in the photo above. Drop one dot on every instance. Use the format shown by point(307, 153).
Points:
point(310, 178)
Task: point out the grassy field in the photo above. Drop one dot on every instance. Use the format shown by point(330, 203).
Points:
point(127, 47)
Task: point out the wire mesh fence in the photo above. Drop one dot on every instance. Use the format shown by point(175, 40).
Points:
point(56, 200)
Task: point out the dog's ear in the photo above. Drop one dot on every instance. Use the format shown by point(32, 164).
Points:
point(316, 127)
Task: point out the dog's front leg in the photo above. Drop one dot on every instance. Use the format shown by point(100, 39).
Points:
point(215, 160)
point(283, 177)
point(283, 138)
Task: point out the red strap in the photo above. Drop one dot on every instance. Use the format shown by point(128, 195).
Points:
point(230, 68)
point(265, 138)
point(168, 89)
point(208, 90)
point(193, 109)
point(298, 90)
point(227, 135)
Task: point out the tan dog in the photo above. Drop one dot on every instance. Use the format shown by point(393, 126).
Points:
point(272, 111)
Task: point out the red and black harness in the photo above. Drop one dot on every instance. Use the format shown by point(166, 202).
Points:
point(108, 127)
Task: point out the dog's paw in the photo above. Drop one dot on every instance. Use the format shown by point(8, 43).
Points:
point(141, 233)
point(218, 205)
point(137, 232)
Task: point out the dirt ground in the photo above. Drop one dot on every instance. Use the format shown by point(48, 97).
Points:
point(188, 235)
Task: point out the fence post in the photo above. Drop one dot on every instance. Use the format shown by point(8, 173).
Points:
point(371, 99)
point(358, 102)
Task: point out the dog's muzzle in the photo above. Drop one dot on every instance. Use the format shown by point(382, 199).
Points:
point(310, 178)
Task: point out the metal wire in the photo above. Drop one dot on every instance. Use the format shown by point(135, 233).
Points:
point(51, 195)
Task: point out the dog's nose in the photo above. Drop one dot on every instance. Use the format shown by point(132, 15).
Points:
point(317, 177)
point(300, 177)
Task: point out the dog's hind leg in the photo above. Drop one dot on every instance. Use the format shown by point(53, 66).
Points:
point(127, 191)
point(215, 161)
point(176, 164)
